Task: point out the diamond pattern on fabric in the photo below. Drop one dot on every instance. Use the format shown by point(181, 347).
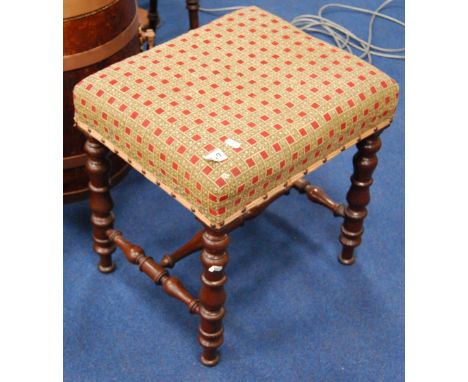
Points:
point(288, 101)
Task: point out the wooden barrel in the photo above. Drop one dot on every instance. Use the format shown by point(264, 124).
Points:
point(96, 33)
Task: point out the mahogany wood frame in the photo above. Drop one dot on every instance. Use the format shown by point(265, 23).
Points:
point(213, 241)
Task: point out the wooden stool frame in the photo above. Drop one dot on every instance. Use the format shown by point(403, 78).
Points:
point(213, 241)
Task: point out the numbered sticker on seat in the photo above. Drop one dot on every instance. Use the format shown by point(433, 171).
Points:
point(217, 155)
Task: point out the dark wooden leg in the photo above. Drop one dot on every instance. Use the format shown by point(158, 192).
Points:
point(212, 296)
point(100, 202)
point(358, 197)
point(192, 6)
point(153, 15)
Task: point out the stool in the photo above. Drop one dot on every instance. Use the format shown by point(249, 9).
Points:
point(227, 118)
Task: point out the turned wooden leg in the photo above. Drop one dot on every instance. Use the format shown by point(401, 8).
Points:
point(153, 15)
point(100, 202)
point(192, 7)
point(212, 296)
point(358, 197)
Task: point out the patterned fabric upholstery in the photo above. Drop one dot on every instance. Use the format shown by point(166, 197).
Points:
point(276, 101)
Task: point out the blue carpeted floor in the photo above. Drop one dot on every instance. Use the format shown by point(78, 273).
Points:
point(293, 313)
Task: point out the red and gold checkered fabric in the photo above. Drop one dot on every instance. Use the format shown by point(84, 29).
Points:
point(286, 99)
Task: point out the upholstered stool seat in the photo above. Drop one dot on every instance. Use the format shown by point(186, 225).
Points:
point(268, 99)
point(226, 119)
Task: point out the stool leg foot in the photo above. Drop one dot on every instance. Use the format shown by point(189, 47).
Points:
point(214, 259)
point(106, 268)
point(358, 197)
point(100, 203)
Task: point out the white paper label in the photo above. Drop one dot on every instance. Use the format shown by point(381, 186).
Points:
point(216, 155)
point(232, 143)
point(215, 268)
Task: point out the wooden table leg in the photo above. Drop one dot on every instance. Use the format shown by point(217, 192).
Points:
point(358, 197)
point(192, 7)
point(100, 202)
point(153, 15)
point(212, 296)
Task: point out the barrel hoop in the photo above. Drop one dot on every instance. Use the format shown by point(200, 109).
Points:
point(101, 52)
point(77, 9)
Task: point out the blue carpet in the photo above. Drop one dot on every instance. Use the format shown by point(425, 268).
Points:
point(293, 313)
